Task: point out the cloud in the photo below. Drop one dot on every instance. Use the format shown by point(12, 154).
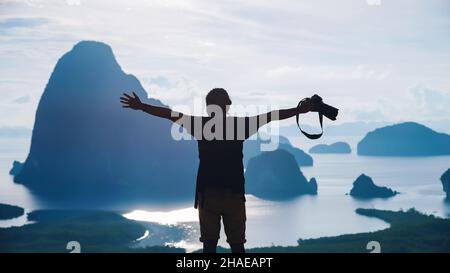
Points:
point(284, 71)
point(22, 100)
point(73, 2)
point(172, 89)
point(373, 2)
point(343, 72)
point(261, 51)
point(430, 102)
point(10, 23)
point(14, 132)
point(160, 81)
point(32, 3)
point(369, 115)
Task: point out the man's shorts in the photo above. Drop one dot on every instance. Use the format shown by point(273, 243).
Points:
point(217, 203)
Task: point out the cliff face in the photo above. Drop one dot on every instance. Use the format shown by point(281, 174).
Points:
point(85, 146)
point(363, 187)
point(445, 179)
point(404, 139)
point(276, 175)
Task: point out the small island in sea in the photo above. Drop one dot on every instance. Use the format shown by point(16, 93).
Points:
point(335, 148)
point(404, 139)
point(364, 187)
point(10, 211)
point(276, 175)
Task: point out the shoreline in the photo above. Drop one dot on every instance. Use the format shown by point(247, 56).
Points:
point(409, 231)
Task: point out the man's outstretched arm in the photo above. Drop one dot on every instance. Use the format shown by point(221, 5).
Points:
point(135, 103)
point(263, 119)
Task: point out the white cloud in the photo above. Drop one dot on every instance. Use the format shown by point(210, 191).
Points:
point(261, 51)
point(373, 2)
point(22, 99)
point(33, 3)
point(358, 72)
point(24, 22)
point(174, 89)
point(431, 103)
point(73, 2)
point(284, 71)
point(370, 115)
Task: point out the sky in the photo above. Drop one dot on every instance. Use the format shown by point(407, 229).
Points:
point(376, 60)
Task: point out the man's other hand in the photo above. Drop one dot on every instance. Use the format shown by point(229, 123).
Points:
point(132, 102)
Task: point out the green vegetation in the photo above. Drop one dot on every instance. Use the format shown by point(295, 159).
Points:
point(102, 231)
point(96, 231)
point(410, 231)
point(9, 212)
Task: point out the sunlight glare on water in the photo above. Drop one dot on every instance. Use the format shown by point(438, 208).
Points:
point(164, 217)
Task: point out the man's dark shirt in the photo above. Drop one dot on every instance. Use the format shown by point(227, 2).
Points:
point(220, 151)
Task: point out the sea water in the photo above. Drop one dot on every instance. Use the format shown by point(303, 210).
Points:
point(330, 213)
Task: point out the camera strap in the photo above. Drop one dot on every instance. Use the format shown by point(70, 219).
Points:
point(310, 136)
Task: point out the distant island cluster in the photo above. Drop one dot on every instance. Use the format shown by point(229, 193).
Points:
point(78, 154)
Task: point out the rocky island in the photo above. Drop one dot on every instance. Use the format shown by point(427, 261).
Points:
point(404, 139)
point(335, 148)
point(364, 187)
point(9, 212)
point(276, 175)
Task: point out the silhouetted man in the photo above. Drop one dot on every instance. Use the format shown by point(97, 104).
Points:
point(220, 179)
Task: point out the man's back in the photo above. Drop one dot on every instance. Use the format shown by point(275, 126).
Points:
point(220, 145)
point(221, 164)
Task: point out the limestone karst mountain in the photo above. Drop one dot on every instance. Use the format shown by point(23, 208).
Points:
point(85, 146)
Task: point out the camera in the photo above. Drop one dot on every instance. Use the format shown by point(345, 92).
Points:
point(318, 105)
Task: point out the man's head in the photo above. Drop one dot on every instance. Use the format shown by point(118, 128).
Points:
point(218, 97)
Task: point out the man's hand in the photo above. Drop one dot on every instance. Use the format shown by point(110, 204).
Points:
point(131, 102)
point(305, 106)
